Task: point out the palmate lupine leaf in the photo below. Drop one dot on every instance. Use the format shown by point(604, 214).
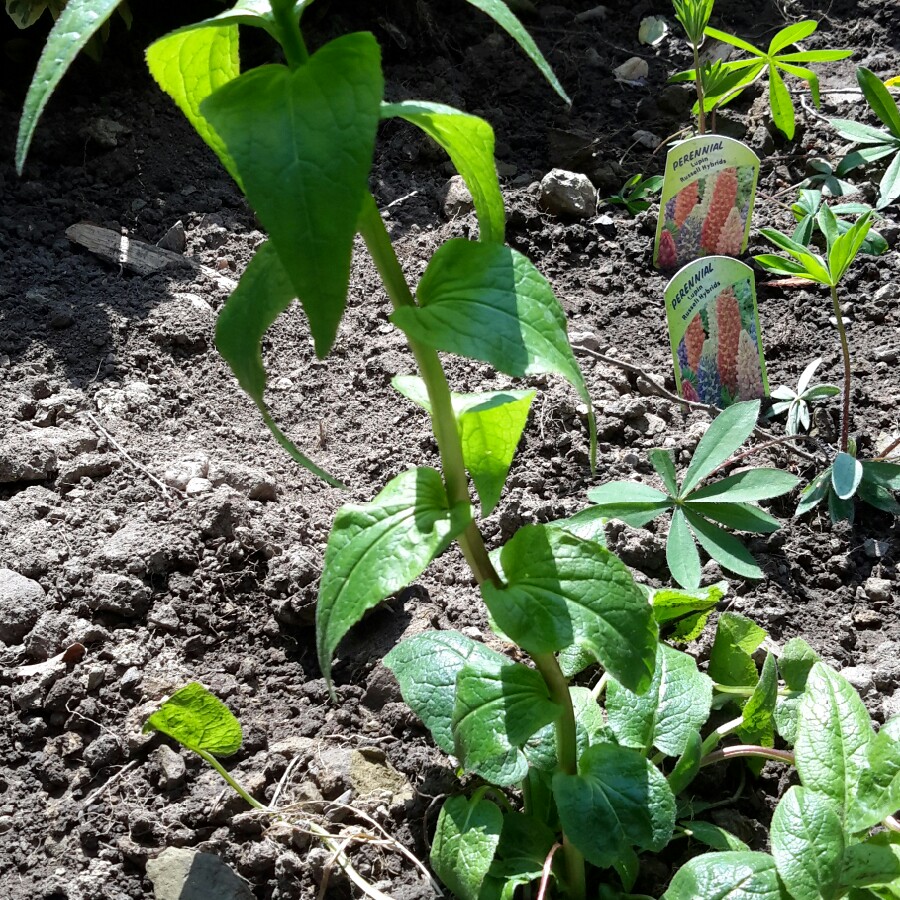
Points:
point(775, 63)
point(699, 512)
point(876, 143)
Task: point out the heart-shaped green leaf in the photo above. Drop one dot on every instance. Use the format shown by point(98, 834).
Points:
point(378, 548)
point(427, 666)
point(676, 704)
point(562, 590)
point(618, 800)
point(500, 704)
point(199, 721)
point(302, 141)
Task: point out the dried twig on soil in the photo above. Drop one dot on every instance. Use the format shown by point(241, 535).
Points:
point(166, 490)
point(656, 388)
point(95, 795)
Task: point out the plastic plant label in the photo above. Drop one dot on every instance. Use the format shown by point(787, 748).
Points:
point(707, 200)
point(714, 330)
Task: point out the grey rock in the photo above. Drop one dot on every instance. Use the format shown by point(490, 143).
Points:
point(179, 473)
point(174, 239)
point(120, 594)
point(141, 546)
point(91, 465)
point(861, 677)
point(647, 139)
point(586, 339)
point(120, 403)
point(456, 200)
point(887, 355)
point(172, 768)
point(103, 751)
point(21, 604)
point(568, 194)
point(106, 132)
point(878, 589)
point(253, 483)
point(198, 486)
point(52, 633)
point(182, 874)
point(163, 615)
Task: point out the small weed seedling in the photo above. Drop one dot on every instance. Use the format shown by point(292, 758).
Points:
point(203, 724)
point(698, 512)
point(808, 211)
point(774, 62)
point(634, 194)
point(847, 477)
point(875, 143)
point(797, 403)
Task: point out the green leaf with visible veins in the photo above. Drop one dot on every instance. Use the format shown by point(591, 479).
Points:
point(489, 302)
point(262, 294)
point(563, 590)
point(808, 845)
point(500, 704)
point(377, 548)
point(199, 721)
point(732, 875)
point(502, 15)
point(302, 141)
point(192, 63)
point(79, 21)
point(618, 800)
point(878, 794)
point(833, 737)
point(590, 728)
point(469, 141)
point(676, 704)
point(466, 838)
point(874, 863)
point(490, 427)
point(426, 666)
point(730, 661)
point(525, 843)
point(759, 711)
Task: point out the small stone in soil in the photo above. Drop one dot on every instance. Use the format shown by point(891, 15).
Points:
point(172, 768)
point(569, 194)
point(878, 590)
point(21, 604)
point(178, 873)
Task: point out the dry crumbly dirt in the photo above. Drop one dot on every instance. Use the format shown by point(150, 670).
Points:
point(109, 380)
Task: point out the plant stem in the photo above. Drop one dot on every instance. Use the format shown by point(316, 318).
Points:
point(289, 34)
point(443, 418)
point(231, 782)
point(701, 116)
point(845, 352)
point(713, 738)
point(784, 756)
point(889, 450)
point(567, 757)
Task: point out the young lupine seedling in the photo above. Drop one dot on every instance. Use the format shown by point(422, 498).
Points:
point(797, 403)
point(698, 512)
point(808, 213)
point(694, 17)
point(824, 178)
point(718, 86)
point(773, 61)
point(847, 477)
point(875, 143)
point(634, 194)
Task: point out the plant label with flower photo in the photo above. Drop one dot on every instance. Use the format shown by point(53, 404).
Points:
point(707, 200)
point(714, 331)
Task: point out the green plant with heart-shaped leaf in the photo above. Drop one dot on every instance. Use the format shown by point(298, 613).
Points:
point(563, 776)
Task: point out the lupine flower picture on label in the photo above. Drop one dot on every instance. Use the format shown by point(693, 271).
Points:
point(707, 201)
point(715, 334)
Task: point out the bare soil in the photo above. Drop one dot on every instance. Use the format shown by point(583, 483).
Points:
point(110, 380)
